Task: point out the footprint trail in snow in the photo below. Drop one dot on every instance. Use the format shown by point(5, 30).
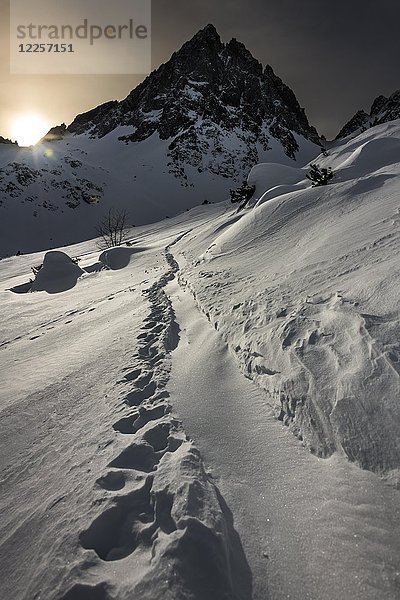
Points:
point(163, 517)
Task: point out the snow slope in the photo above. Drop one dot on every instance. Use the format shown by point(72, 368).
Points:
point(57, 192)
point(305, 289)
point(96, 475)
point(310, 528)
point(120, 392)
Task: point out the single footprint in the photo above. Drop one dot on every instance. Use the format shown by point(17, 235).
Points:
point(138, 396)
point(133, 423)
point(125, 425)
point(113, 481)
point(146, 336)
point(133, 375)
point(144, 380)
point(158, 436)
point(118, 531)
point(148, 351)
point(138, 457)
point(146, 415)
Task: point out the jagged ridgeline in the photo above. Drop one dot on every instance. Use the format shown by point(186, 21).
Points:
point(382, 110)
point(221, 85)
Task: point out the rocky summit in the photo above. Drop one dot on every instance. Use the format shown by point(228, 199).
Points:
point(382, 110)
point(206, 91)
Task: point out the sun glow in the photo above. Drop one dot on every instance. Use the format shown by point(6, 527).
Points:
point(27, 129)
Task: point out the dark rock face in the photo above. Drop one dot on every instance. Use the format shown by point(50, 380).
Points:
point(18, 180)
point(205, 92)
point(82, 123)
point(7, 141)
point(389, 110)
point(359, 123)
point(382, 110)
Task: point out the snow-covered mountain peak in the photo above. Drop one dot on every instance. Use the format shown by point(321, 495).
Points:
point(205, 81)
point(195, 127)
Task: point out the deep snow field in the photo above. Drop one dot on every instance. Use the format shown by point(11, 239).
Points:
point(216, 415)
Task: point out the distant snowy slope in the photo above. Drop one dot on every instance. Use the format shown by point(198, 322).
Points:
point(193, 129)
point(305, 287)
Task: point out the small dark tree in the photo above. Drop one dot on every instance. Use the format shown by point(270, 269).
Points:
point(319, 176)
point(36, 269)
point(242, 193)
point(112, 229)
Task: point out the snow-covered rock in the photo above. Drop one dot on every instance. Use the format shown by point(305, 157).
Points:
point(117, 257)
point(272, 180)
point(57, 274)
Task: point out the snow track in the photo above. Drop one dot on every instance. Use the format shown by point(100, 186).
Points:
point(162, 518)
point(311, 528)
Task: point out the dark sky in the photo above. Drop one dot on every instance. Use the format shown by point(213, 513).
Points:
point(336, 55)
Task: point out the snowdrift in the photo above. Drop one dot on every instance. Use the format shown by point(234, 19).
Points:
point(273, 179)
point(312, 311)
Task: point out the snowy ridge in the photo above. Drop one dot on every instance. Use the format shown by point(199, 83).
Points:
point(304, 288)
point(160, 503)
